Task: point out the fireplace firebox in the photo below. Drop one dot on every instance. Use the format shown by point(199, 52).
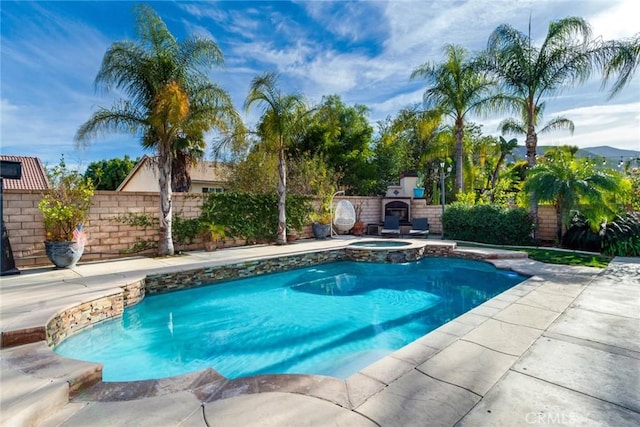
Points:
point(398, 208)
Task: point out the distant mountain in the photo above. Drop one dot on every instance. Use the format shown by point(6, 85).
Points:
point(611, 154)
point(606, 151)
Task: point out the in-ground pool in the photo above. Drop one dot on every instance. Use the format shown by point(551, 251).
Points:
point(380, 243)
point(332, 319)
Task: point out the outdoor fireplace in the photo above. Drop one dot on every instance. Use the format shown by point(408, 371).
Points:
point(398, 208)
point(397, 200)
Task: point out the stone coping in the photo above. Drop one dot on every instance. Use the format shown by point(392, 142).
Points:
point(85, 379)
point(575, 372)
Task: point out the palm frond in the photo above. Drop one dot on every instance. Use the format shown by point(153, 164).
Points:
point(621, 58)
point(122, 117)
point(199, 52)
point(558, 123)
point(512, 126)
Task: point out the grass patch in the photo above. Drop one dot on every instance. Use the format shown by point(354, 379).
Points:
point(552, 256)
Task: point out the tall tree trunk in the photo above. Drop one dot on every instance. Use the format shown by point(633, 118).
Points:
point(494, 176)
point(558, 224)
point(531, 143)
point(180, 179)
point(459, 155)
point(282, 197)
point(563, 213)
point(166, 210)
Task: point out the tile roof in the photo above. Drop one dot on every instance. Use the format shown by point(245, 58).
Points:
point(34, 176)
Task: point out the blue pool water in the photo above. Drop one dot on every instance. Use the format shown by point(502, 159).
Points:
point(332, 319)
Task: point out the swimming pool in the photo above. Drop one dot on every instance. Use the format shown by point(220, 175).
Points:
point(332, 319)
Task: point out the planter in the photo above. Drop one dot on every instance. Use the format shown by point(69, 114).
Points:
point(292, 236)
point(358, 228)
point(418, 193)
point(63, 254)
point(210, 245)
point(321, 231)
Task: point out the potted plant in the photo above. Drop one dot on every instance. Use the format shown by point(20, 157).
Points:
point(65, 209)
point(359, 226)
point(418, 191)
point(321, 223)
point(212, 235)
point(292, 235)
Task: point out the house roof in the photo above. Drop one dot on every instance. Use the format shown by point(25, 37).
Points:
point(34, 176)
point(204, 171)
point(133, 172)
point(207, 171)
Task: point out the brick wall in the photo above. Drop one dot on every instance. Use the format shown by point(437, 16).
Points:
point(24, 225)
point(547, 223)
point(107, 238)
point(420, 209)
point(369, 207)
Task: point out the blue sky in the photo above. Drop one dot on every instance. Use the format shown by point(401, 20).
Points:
point(363, 51)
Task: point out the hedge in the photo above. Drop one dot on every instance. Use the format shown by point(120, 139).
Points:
point(488, 224)
point(254, 217)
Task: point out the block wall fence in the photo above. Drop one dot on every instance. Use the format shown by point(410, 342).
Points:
point(108, 238)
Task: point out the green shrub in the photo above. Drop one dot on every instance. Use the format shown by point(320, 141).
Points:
point(185, 230)
point(143, 222)
point(487, 224)
point(621, 237)
point(298, 210)
point(579, 236)
point(253, 217)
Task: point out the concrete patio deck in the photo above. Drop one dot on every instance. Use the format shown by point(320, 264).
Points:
point(562, 348)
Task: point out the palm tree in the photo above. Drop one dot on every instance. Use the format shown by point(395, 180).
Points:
point(566, 182)
point(280, 115)
point(456, 88)
point(530, 74)
point(167, 98)
point(505, 147)
point(513, 126)
point(568, 56)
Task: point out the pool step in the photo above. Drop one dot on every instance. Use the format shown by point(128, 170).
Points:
point(37, 383)
point(59, 417)
point(39, 361)
point(26, 400)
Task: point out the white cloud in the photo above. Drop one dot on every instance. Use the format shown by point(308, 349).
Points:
point(616, 125)
point(388, 107)
point(362, 51)
point(617, 22)
point(203, 10)
point(350, 21)
point(198, 30)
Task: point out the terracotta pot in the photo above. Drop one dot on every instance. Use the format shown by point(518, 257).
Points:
point(210, 245)
point(358, 228)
